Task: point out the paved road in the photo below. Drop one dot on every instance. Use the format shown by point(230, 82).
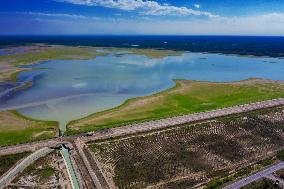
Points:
point(23, 164)
point(142, 127)
point(168, 122)
point(29, 146)
point(79, 145)
point(264, 173)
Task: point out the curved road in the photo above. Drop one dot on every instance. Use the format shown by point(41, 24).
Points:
point(23, 164)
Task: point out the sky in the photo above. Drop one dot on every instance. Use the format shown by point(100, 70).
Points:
point(142, 17)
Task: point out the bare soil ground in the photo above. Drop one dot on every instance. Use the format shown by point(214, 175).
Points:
point(192, 154)
point(47, 172)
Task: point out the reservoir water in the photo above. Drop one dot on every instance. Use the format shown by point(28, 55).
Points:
point(71, 89)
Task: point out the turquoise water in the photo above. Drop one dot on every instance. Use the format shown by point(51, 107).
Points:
point(69, 90)
point(71, 172)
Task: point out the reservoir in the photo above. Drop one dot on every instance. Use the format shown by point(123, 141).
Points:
point(67, 90)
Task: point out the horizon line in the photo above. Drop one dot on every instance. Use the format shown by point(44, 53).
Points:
point(109, 35)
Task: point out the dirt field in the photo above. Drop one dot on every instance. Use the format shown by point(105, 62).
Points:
point(192, 154)
point(47, 172)
point(8, 161)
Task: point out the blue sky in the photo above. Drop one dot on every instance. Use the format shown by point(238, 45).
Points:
point(184, 17)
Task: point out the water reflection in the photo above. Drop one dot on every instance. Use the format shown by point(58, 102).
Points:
point(68, 90)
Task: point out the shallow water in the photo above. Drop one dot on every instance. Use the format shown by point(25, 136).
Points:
point(10, 51)
point(71, 172)
point(69, 90)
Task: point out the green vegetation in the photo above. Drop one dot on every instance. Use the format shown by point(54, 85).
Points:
point(16, 128)
point(260, 184)
point(44, 172)
point(280, 155)
point(7, 161)
point(152, 53)
point(185, 97)
point(219, 150)
point(266, 162)
point(219, 182)
point(40, 172)
point(214, 183)
point(23, 136)
point(43, 53)
point(39, 53)
point(36, 54)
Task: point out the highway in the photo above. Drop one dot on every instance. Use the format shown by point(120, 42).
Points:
point(264, 173)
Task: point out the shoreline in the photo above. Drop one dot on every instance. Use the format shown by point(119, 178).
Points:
point(12, 75)
point(169, 90)
point(160, 53)
point(128, 101)
point(87, 128)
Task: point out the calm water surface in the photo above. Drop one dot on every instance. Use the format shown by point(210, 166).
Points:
point(68, 90)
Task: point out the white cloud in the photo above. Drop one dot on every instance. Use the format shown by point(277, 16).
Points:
point(196, 6)
point(266, 24)
point(72, 16)
point(148, 7)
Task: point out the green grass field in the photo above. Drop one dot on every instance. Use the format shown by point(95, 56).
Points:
point(185, 97)
point(51, 53)
point(72, 53)
point(151, 53)
point(34, 54)
point(16, 129)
